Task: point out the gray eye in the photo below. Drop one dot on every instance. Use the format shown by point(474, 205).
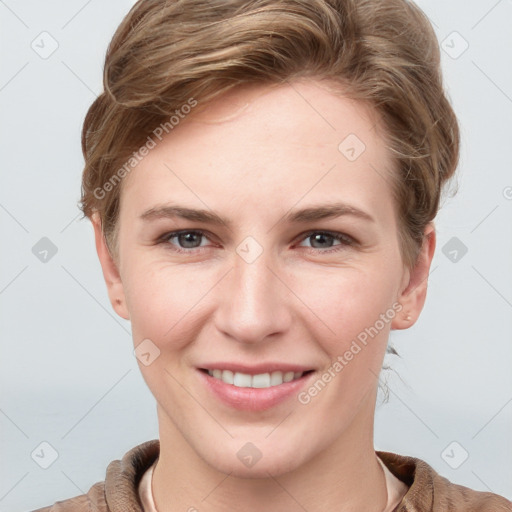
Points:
point(321, 240)
point(189, 240)
point(185, 241)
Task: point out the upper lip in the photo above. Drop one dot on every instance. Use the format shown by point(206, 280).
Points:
point(256, 369)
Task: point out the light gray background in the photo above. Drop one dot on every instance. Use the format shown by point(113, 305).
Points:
point(68, 374)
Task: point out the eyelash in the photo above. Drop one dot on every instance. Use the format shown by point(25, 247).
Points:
point(344, 240)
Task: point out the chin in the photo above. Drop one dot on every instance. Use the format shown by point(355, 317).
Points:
point(249, 461)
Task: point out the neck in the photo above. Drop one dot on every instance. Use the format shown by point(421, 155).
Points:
point(344, 476)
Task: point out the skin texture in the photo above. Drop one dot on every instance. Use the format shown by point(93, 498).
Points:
point(253, 156)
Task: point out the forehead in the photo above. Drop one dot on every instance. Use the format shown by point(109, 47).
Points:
point(304, 112)
point(266, 138)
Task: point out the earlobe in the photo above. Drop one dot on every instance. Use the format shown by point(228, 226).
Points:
point(412, 296)
point(110, 270)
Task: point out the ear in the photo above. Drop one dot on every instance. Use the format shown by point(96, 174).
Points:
point(110, 271)
point(414, 285)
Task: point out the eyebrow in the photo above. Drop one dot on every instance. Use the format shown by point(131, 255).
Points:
point(313, 213)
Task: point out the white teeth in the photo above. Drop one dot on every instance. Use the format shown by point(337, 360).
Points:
point(276, 378)
point(262, 380)
point(227, 376)
point(288, 376)
point(242, 380)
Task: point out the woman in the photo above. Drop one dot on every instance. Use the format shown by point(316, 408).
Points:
point(262, 178)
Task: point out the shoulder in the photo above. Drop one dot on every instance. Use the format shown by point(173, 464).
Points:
point(119, 490)
point(431, 492)
point(93, 500)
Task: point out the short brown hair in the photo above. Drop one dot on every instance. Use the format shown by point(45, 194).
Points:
point(382, 52)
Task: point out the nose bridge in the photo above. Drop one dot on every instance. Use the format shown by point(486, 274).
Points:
point(253, 306)
point(253, 282)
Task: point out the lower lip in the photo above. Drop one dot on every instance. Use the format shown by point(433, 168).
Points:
point(254, 399)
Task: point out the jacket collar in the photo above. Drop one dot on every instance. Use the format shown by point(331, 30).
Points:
point(428, 491)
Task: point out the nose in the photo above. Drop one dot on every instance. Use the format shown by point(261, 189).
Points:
point(253, 302)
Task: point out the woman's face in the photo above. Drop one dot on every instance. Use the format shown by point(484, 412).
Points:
point(303, 272)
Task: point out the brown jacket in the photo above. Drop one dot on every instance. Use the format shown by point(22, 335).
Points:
point(428, 491)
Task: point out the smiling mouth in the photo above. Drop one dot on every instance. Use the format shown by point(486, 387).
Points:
point(261, 380)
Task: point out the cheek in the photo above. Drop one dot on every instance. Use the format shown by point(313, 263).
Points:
point(357, 306)
point(343, 302)
point(164, 301)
